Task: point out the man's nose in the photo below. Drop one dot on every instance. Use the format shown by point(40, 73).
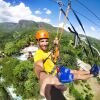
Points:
point(45, 43)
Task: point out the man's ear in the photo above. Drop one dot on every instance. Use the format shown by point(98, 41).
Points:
point(37, 42)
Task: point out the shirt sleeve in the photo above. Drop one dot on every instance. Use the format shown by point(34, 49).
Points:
point(38, 57)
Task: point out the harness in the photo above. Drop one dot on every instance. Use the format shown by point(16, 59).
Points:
point(55, 48)
point(62, 74)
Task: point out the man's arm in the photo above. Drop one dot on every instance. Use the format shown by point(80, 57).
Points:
point(39, 68)
point(44, 78)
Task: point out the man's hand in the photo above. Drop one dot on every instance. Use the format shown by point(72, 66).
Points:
point(56, 41)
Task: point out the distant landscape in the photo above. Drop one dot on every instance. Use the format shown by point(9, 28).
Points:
point(16, 36)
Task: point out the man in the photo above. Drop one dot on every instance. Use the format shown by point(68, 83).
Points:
point(45, 68)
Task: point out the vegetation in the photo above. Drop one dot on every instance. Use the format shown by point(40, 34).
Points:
point(75, 93)
point(20, 73)
point(3, 94)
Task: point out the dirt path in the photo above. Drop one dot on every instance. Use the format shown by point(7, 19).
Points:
point(95, 86)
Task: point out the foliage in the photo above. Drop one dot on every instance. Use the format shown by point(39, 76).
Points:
point(21, 70)
point(20, 73)
point(88, 97)
point(98, 79)
point(68, 56)
point(10, 48)
point(75, 93)
point(88, 86)
point(3, 93)
point(26, 83)
point(8, 65)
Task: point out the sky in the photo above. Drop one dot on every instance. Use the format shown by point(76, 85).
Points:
point(48, 11)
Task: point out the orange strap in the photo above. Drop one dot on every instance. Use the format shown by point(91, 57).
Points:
point(56, 54)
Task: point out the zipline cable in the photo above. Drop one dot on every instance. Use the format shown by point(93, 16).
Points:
point(78, 35)
point(88, 9)
point(60, 6)
point(83, 31)
point(88, 19)
point(74, 28)
point(66, 15)
point(85, 16)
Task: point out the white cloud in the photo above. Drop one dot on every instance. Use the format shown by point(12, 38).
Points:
point(61, 26)
point(47, 11)
point(92, 28)
point(9, 13)
point(46, 20)
point(38, 12)
point(66, 27)
point(44, 8)
point(78, 29)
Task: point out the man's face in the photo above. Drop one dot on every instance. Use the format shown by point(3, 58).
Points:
point(43, 44)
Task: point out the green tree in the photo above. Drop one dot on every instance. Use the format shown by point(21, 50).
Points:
point(26, 83)
point(10, 48)
point(8, 64)
point(75, 93)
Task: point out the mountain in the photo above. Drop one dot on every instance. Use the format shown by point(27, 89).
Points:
point(9, 30)
point(8, 27)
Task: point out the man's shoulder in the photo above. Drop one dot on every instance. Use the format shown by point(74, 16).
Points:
point(38, 55)
point(39, 51)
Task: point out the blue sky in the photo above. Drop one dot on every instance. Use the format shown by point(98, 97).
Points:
point(48, 11)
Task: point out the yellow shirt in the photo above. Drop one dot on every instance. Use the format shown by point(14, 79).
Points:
point(48, 64)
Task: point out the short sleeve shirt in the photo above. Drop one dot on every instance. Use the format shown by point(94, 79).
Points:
point(41, 55)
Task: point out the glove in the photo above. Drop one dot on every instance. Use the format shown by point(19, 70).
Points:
point(94, 70)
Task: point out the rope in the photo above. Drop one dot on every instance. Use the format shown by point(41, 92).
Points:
point(56, 52)
point(66, 15)
point(59, 21)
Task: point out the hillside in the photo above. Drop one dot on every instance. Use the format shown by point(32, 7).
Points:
point(13, 31)
point(9, 30)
